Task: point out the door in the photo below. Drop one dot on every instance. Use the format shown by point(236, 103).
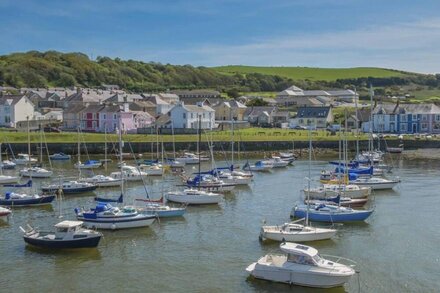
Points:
point(414, 128)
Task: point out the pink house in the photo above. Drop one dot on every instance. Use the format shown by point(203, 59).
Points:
point(109, 117)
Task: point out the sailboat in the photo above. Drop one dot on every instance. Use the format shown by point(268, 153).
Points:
point(88, 164)
point(294, 231)
point(106, 216)
point(330, 213)
point(6, 179)
point(194, 195)
point(34, 171)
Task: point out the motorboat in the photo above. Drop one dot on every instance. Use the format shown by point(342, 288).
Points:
point(69, 187)
point(287, 155)
point(194, 197)
point(330, 213)
point(295, 232)
point(302, 265)
point(161, 210)
point(376, 183)
point(35, 172)
point(259, 166)
point(331, 190)
point(7, 164)
point(189, 159)
point(7, 179)
point(174, 163)
point(60, 157)
point(277, 162)
point(22, 199)
point(106, 216)
point(4, 213)
point(23, 159)
point(89, 164)
point(228, 178)
point(209, 183)
point(152, 170)
point(395, 150)
point(102, 181)
point(68, 234)
point(129, 173)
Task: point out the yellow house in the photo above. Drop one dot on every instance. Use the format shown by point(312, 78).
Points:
point(228, 110)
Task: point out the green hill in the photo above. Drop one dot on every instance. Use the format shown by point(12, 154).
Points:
point(310, 73)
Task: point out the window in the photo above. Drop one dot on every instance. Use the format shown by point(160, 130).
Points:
point(437, 117)
point(184, 115)
point(403, 118)
point(402, 127)
point(104, 116)
point(414, 117)
point(392, 117)
point(114, 117)
point(192, 115)
point(425, 126)
point(424, 117)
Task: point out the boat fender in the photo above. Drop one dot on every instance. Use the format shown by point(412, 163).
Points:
point(113, 226)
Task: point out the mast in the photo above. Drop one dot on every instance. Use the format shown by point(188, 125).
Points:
point(174, 143)
point(232, 137)
point(29, 142)
point(1, 161)
point(198, 147)
point(120, 155)
point(308, 179)
point(105, 146)
point(41, 145)
point(79, 153)
point(357, 122)
point(371, 119)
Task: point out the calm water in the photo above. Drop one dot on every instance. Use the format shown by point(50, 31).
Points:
point(397, 249)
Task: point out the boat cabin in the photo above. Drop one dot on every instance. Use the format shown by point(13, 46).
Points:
point(301, 254)
point(64, 227)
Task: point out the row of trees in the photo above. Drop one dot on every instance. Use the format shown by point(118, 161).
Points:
point(51, 68)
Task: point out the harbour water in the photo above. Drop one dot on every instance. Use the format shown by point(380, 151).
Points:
point(396, 249)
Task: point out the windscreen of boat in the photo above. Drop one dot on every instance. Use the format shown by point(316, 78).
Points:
point(300, 259)
point(318, 259)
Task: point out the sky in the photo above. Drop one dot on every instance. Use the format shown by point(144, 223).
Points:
point(398, 34)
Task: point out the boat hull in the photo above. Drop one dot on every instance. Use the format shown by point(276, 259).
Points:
point(89, 242)
point(8, 179)
point(44, 200)
point(194, 199)
point(116, 224)
point(305, 278)
point(378, 186)
point(297, 237)
point(178, 212)
point(69, 190)
point(332, 217)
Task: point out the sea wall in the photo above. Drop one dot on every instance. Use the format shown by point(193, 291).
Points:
point(263, 146)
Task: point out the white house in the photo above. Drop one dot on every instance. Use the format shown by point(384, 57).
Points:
point(294, 96)
point(187, 116)
point(15, 108)
point(315, 117)
point(162, 107)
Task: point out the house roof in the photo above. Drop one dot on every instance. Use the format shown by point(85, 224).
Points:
point(163, 120)
point(122, 97)
point(74, 109)
point(313, 112)
point(197, 108)
point(11, 99)
point(156, 100)
point(257, 110)
point(294, 88)
point(341, 92)
point(110, 109)
point(231, 104)
point(93, 108)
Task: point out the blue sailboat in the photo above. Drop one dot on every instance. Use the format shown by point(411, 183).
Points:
point(330, 213)
point(18, 199)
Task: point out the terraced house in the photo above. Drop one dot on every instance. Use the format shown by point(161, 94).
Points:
point(405, 118)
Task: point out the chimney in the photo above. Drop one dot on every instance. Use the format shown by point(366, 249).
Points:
point(126, 107)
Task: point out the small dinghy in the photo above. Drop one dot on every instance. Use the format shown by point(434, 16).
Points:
point(59, 157)
point(194, 197)
point(302, 265)
point(89, 164)
point(21, 199)
point(6, 164)
point(102, 181)
point(4, 213)
point(69, 187)
point(35, 172)
point(68, 234)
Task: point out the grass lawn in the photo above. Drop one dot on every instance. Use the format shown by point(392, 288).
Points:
point(251, 134)
point(327, 74)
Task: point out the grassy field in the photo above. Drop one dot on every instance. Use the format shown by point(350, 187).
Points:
point(251, 134)
point(327, 74)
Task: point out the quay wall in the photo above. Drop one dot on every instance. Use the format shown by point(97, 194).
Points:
point(248, 146)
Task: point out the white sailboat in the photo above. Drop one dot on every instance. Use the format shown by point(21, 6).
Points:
point(295, 232)
point(6, 179)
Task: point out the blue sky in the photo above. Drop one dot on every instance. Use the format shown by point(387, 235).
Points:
point(317, 33)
